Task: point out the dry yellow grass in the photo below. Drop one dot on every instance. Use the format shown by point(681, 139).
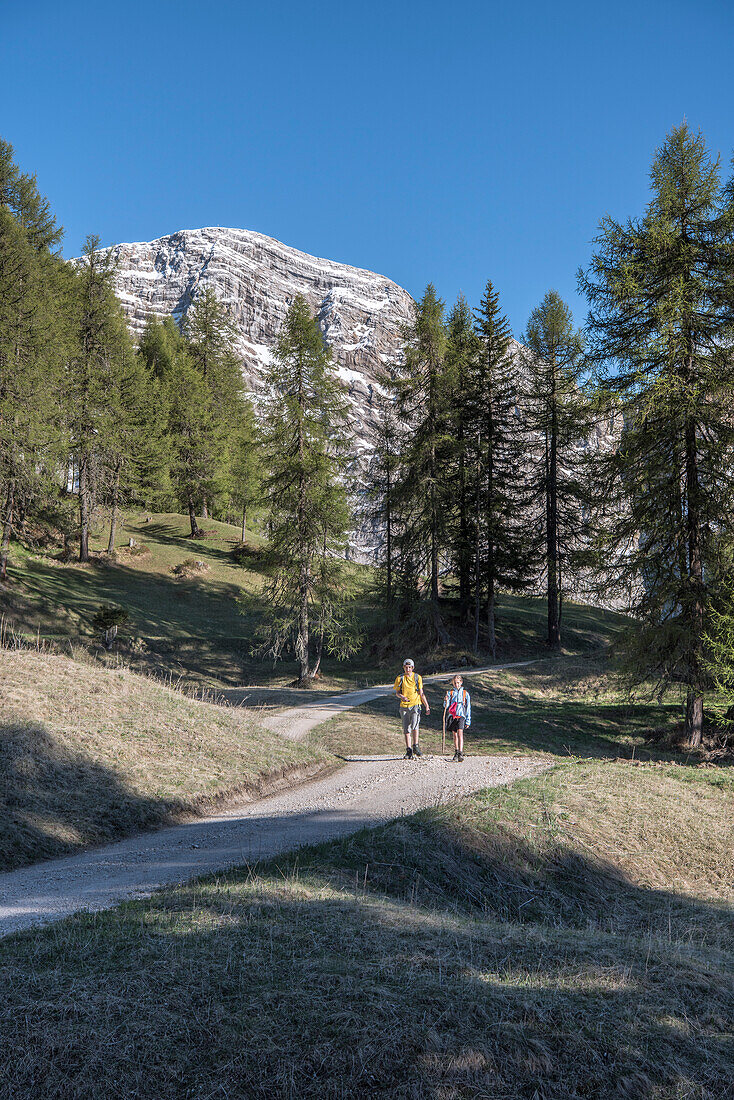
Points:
point(88, 753)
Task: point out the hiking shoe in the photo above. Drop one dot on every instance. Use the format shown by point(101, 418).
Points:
point(408, 754)
point(455, 757)
point(460, 758)
point(417, 750)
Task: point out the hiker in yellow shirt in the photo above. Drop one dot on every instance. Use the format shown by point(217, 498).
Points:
point(409, 690)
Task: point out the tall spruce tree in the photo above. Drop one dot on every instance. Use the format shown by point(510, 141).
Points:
point(661, 326)
point(496, 456)
point(558, 416)
point(422, 392)
point(382, 483)
point(462, 351)
point(303, 433)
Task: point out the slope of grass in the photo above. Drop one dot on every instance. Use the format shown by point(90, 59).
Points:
point(191, 623)
point(566, 938)
point(88, 754)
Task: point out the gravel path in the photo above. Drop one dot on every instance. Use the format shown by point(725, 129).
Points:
point(359, 794)
point(365, 792)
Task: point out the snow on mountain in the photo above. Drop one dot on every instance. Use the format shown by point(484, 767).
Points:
point(360, 313)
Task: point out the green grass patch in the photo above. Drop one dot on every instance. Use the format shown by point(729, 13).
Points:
point(567, 937)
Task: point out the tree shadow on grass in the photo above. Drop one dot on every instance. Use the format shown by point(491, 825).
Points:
point(350, 970)
point(203, 547)
point(54, 801)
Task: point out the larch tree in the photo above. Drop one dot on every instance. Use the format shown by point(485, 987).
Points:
point(32, 346)
point(102, 346)
point(245, 462)
point(661, 326)
point(304, 428)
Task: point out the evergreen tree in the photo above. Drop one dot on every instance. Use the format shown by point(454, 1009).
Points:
point(661, 297)
point(559, 417)
point(462, 351)
point(303, 432)
point(31, 348)
point(245, 462)
point(198, 440)
point(209, 336)
point(382, 506)
point(496, 455)
point(102, 347)
point(422, 392)
point(135, 450)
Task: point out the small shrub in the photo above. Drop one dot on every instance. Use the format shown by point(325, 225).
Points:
point(106, 621)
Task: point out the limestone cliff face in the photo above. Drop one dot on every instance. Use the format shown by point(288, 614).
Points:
point(360, 313)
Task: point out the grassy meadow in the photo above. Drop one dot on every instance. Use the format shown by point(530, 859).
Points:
point(568, 937)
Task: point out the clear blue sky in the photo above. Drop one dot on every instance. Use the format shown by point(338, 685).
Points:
point(450, 142)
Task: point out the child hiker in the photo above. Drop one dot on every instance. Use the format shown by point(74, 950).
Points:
point(409, 690)
point(457, 714)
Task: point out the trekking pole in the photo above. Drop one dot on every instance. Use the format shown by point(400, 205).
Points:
point(443, 734)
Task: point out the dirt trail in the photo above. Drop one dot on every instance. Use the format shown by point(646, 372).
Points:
point(360, 794)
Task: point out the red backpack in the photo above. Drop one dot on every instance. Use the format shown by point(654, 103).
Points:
point(454, 707)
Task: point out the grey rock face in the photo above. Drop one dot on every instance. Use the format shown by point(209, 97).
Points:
point(360, 313)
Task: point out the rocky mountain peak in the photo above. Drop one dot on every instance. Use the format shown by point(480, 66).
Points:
point(360, 312)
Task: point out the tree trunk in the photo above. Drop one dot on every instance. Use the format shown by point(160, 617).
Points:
point(554, 626)
point(302, 638)
point(464, 543)
point(204, 509)
point(113, 513)
point(694, 709)
point(491, 621)
point(195, 531)
point(388, 535)
point(7, 527)
point(319, 651)
point(477, 586)
point(84, 507)
point(244, 521)
point(489, 507)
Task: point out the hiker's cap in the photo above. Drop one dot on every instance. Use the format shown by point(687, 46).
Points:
point(408, 661)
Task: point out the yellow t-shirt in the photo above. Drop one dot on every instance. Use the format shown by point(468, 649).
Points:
point(412, 686)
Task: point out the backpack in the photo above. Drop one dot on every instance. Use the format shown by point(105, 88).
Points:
point(454, 707)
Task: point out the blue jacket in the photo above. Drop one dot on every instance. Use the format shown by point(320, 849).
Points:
point(463, 698)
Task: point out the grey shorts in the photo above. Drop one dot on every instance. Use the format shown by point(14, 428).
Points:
point(411, 718)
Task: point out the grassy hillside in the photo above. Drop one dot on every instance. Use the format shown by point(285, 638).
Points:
point(569, 937)
point(88, 754)
point(197, 622)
